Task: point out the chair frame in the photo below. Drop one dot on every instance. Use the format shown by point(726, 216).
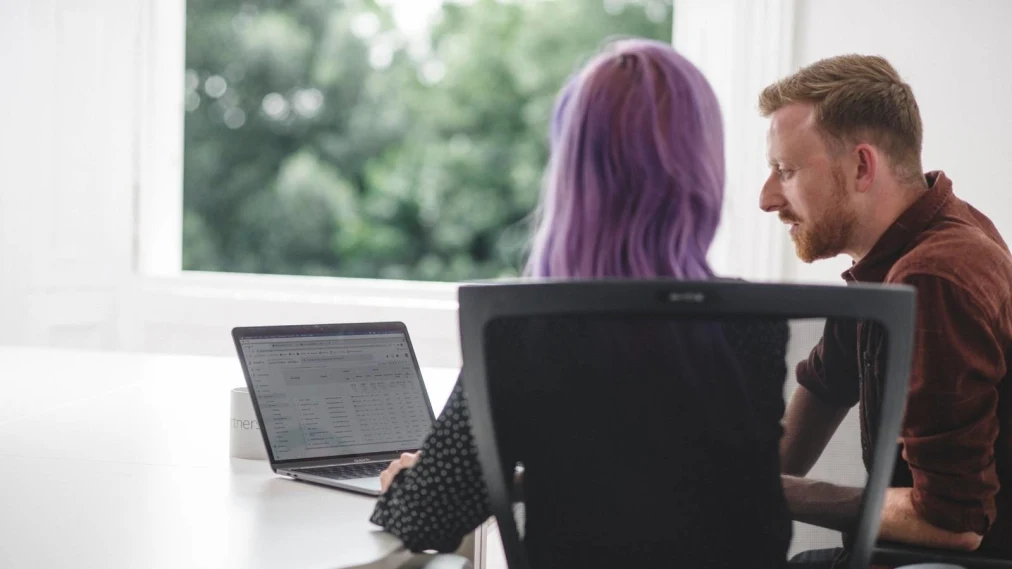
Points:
point(891, 306)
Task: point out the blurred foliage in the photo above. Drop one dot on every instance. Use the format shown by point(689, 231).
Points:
point(379, 139)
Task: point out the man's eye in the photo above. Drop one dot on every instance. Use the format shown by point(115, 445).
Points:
point(785, 174)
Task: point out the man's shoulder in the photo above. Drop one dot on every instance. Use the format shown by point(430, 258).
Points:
point(964, 256)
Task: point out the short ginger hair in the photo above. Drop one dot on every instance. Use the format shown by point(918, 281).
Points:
point(857, 98)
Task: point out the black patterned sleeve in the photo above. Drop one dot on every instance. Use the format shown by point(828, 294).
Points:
point(433, 505)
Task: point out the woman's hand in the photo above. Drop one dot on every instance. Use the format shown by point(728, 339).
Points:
point(407, 460)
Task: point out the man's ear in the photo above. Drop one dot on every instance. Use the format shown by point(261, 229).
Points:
point(867, 166)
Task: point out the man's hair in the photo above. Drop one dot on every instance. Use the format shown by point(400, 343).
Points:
point(857, 98)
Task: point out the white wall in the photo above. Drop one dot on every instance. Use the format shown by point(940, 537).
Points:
point(956, 56)
point(66, 168)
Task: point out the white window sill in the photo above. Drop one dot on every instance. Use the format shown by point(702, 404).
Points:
point(194, 312)
point(313, 290)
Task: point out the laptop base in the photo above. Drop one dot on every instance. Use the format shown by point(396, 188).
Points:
point(368, 486)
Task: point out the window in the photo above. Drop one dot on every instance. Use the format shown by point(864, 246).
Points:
point(378, 138)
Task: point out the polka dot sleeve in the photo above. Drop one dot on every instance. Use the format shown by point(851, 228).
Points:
point(443, 498)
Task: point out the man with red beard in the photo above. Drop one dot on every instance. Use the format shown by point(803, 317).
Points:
point(844, 148)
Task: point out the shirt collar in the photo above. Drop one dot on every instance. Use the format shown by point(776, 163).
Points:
point(894, 242)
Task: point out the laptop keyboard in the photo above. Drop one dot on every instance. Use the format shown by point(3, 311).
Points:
point(348, 471)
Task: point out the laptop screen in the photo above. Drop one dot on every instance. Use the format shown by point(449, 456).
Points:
point(338, 394)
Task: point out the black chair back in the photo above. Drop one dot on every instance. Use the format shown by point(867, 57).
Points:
point(646, 416)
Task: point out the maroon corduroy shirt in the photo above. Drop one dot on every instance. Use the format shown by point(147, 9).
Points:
point(955, 449)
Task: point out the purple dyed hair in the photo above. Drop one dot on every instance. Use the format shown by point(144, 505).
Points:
point(635, 181)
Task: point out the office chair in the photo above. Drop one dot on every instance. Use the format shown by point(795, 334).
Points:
point(638, 413)
point(895, 554)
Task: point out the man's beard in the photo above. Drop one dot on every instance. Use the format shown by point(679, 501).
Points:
point(828, 235)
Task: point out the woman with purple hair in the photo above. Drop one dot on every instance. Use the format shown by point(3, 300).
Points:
point(633, 189)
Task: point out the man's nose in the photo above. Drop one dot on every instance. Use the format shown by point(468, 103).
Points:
point(771, 198)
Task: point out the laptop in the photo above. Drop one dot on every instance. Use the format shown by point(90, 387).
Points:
point(336, 402)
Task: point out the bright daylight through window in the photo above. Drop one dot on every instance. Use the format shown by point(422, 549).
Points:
point(378, 138)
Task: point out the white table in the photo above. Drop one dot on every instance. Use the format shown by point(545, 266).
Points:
point(112, 460)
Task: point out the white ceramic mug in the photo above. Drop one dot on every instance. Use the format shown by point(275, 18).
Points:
point(245, 439)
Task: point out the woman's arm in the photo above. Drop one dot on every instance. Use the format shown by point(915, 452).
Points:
point(442, 498)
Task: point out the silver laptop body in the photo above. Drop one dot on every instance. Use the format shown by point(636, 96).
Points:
point(335, 402)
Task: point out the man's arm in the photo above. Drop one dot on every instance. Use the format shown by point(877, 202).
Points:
point(949, 427)
point(809, 423)
point(821, 503)
point(951, 421)
point(836, 507)
point(901, 523)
